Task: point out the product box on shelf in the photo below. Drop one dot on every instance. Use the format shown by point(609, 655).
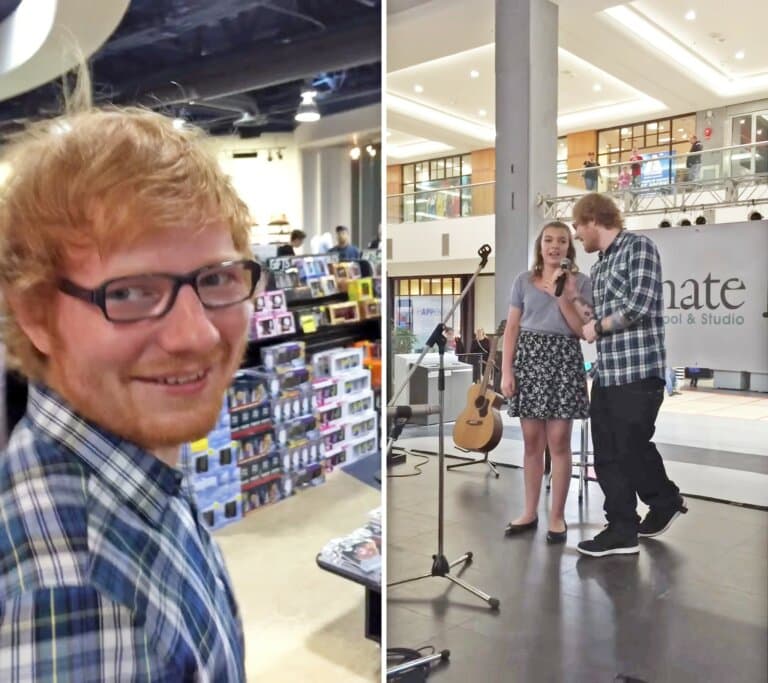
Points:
point(263, 326)
point(369, 308)
point(285, 323)
point(276, 300)
point(257, 446)
point(362, 426)
point(328, 285)
point(295, 431)
point(289, 353)
point(291, 379)
point(329, 415)
point(361, 447)
point(343, 313)
point(377, 287)
point(292, 405)
point(356, 382)
point(332, 437)
point(337, 362)
point(325, 390)
point(354, 406)
point(360, 289)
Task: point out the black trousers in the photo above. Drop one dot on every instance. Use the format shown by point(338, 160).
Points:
point(627, 463)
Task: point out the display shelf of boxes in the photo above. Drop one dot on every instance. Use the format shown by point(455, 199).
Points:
point(307, 396)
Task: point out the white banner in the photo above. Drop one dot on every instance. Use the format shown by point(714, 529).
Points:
point(715, 294)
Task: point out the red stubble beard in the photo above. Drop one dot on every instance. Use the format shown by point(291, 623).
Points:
point(151, 424)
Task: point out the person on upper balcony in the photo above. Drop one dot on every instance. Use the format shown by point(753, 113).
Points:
point(693, 161)
point(637, 167)
point(591, 172)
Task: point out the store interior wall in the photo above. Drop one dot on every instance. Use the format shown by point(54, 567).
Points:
point(326, 179)
point(269, 188)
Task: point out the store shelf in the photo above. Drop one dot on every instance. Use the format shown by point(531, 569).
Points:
point(325, 338)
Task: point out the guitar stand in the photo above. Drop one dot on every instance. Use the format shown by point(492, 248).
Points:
point(472, 461)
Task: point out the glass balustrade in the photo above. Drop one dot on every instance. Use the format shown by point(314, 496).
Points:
point(718, 173)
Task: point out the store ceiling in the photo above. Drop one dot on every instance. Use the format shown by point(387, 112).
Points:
point(619, 62)
point(213, 62)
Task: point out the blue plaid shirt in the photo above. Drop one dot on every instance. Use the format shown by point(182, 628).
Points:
point(626, 285)
point(105, 572)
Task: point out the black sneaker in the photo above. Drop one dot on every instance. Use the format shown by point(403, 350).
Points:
point(608, 542)
point(658, 520)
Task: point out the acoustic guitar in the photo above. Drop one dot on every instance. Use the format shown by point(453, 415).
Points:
point(478, 427)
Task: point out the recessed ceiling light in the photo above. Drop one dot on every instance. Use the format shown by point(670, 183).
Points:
point(681, 130)
point(740, 54)
point(418, 88)
point(597, 87)
point(742, 122)
point(474, 73)
point(690, 15)
point(759, 131)
point(482, 112)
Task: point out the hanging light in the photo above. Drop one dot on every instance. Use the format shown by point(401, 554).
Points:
point(354, 153)
point(371, 150)
point(308, 111)
point(701, 220)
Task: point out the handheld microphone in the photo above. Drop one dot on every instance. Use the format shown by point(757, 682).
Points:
point(565, 264)
point(407, 412)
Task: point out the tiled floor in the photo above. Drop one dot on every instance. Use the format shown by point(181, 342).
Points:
point(302, 623)
point(693, 606)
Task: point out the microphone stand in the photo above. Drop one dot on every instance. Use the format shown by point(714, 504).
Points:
point(440, 565)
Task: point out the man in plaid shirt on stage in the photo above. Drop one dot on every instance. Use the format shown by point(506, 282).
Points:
point(127, 275)
point(628, 386)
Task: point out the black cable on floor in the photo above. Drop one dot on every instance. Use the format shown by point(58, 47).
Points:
point(416, 467)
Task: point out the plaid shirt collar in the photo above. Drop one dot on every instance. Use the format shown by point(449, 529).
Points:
point(613, 246)
point(135, 476)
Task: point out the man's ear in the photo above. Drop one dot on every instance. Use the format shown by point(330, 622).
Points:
point(31, 321)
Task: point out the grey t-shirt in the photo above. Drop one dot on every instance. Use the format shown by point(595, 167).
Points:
point(540, 310)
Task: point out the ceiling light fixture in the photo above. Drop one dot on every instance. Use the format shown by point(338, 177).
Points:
point(354, 153)
point(740, 54)
point(308, 111)
point(178, 124)
point(280, 155)
point(482, 112)
point(690, 15)
point(371, 150)
point(474, 73)
point(418, 88)
point(597, 87)
point(269, 155)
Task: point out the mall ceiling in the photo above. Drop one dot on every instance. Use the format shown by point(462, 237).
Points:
point(217, 63)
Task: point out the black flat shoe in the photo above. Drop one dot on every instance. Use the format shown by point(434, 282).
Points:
point(514, 529)
point(554, 537)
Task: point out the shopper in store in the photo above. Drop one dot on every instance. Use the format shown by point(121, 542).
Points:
point(296, 240)
point(481, 347)
point(376, 241)
point(543, 372)
point(105, 572)
point(591, 172)
point(344, 248)
point(628, 386)
point(693, 160)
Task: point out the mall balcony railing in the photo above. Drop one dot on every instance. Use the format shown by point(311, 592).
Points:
point(726, 177)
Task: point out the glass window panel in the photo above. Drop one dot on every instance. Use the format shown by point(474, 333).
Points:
point(408, 188)
point(425, 288)
point(433, 169)
point(608, 140)
point(638, 131)
point(448, 285)
point(466, 164)
point(414, 287)
point(562, 149)
point(651, 138)
point(422, 172)
point(457, 285)
point(409, 208)
point(402, 287)
point(638, 142)
point(408, 173)
point(664, 126)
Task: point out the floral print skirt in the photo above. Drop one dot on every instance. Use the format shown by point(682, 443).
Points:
point(550, 376)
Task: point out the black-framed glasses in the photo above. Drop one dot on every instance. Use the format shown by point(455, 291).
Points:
point(152, 295)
